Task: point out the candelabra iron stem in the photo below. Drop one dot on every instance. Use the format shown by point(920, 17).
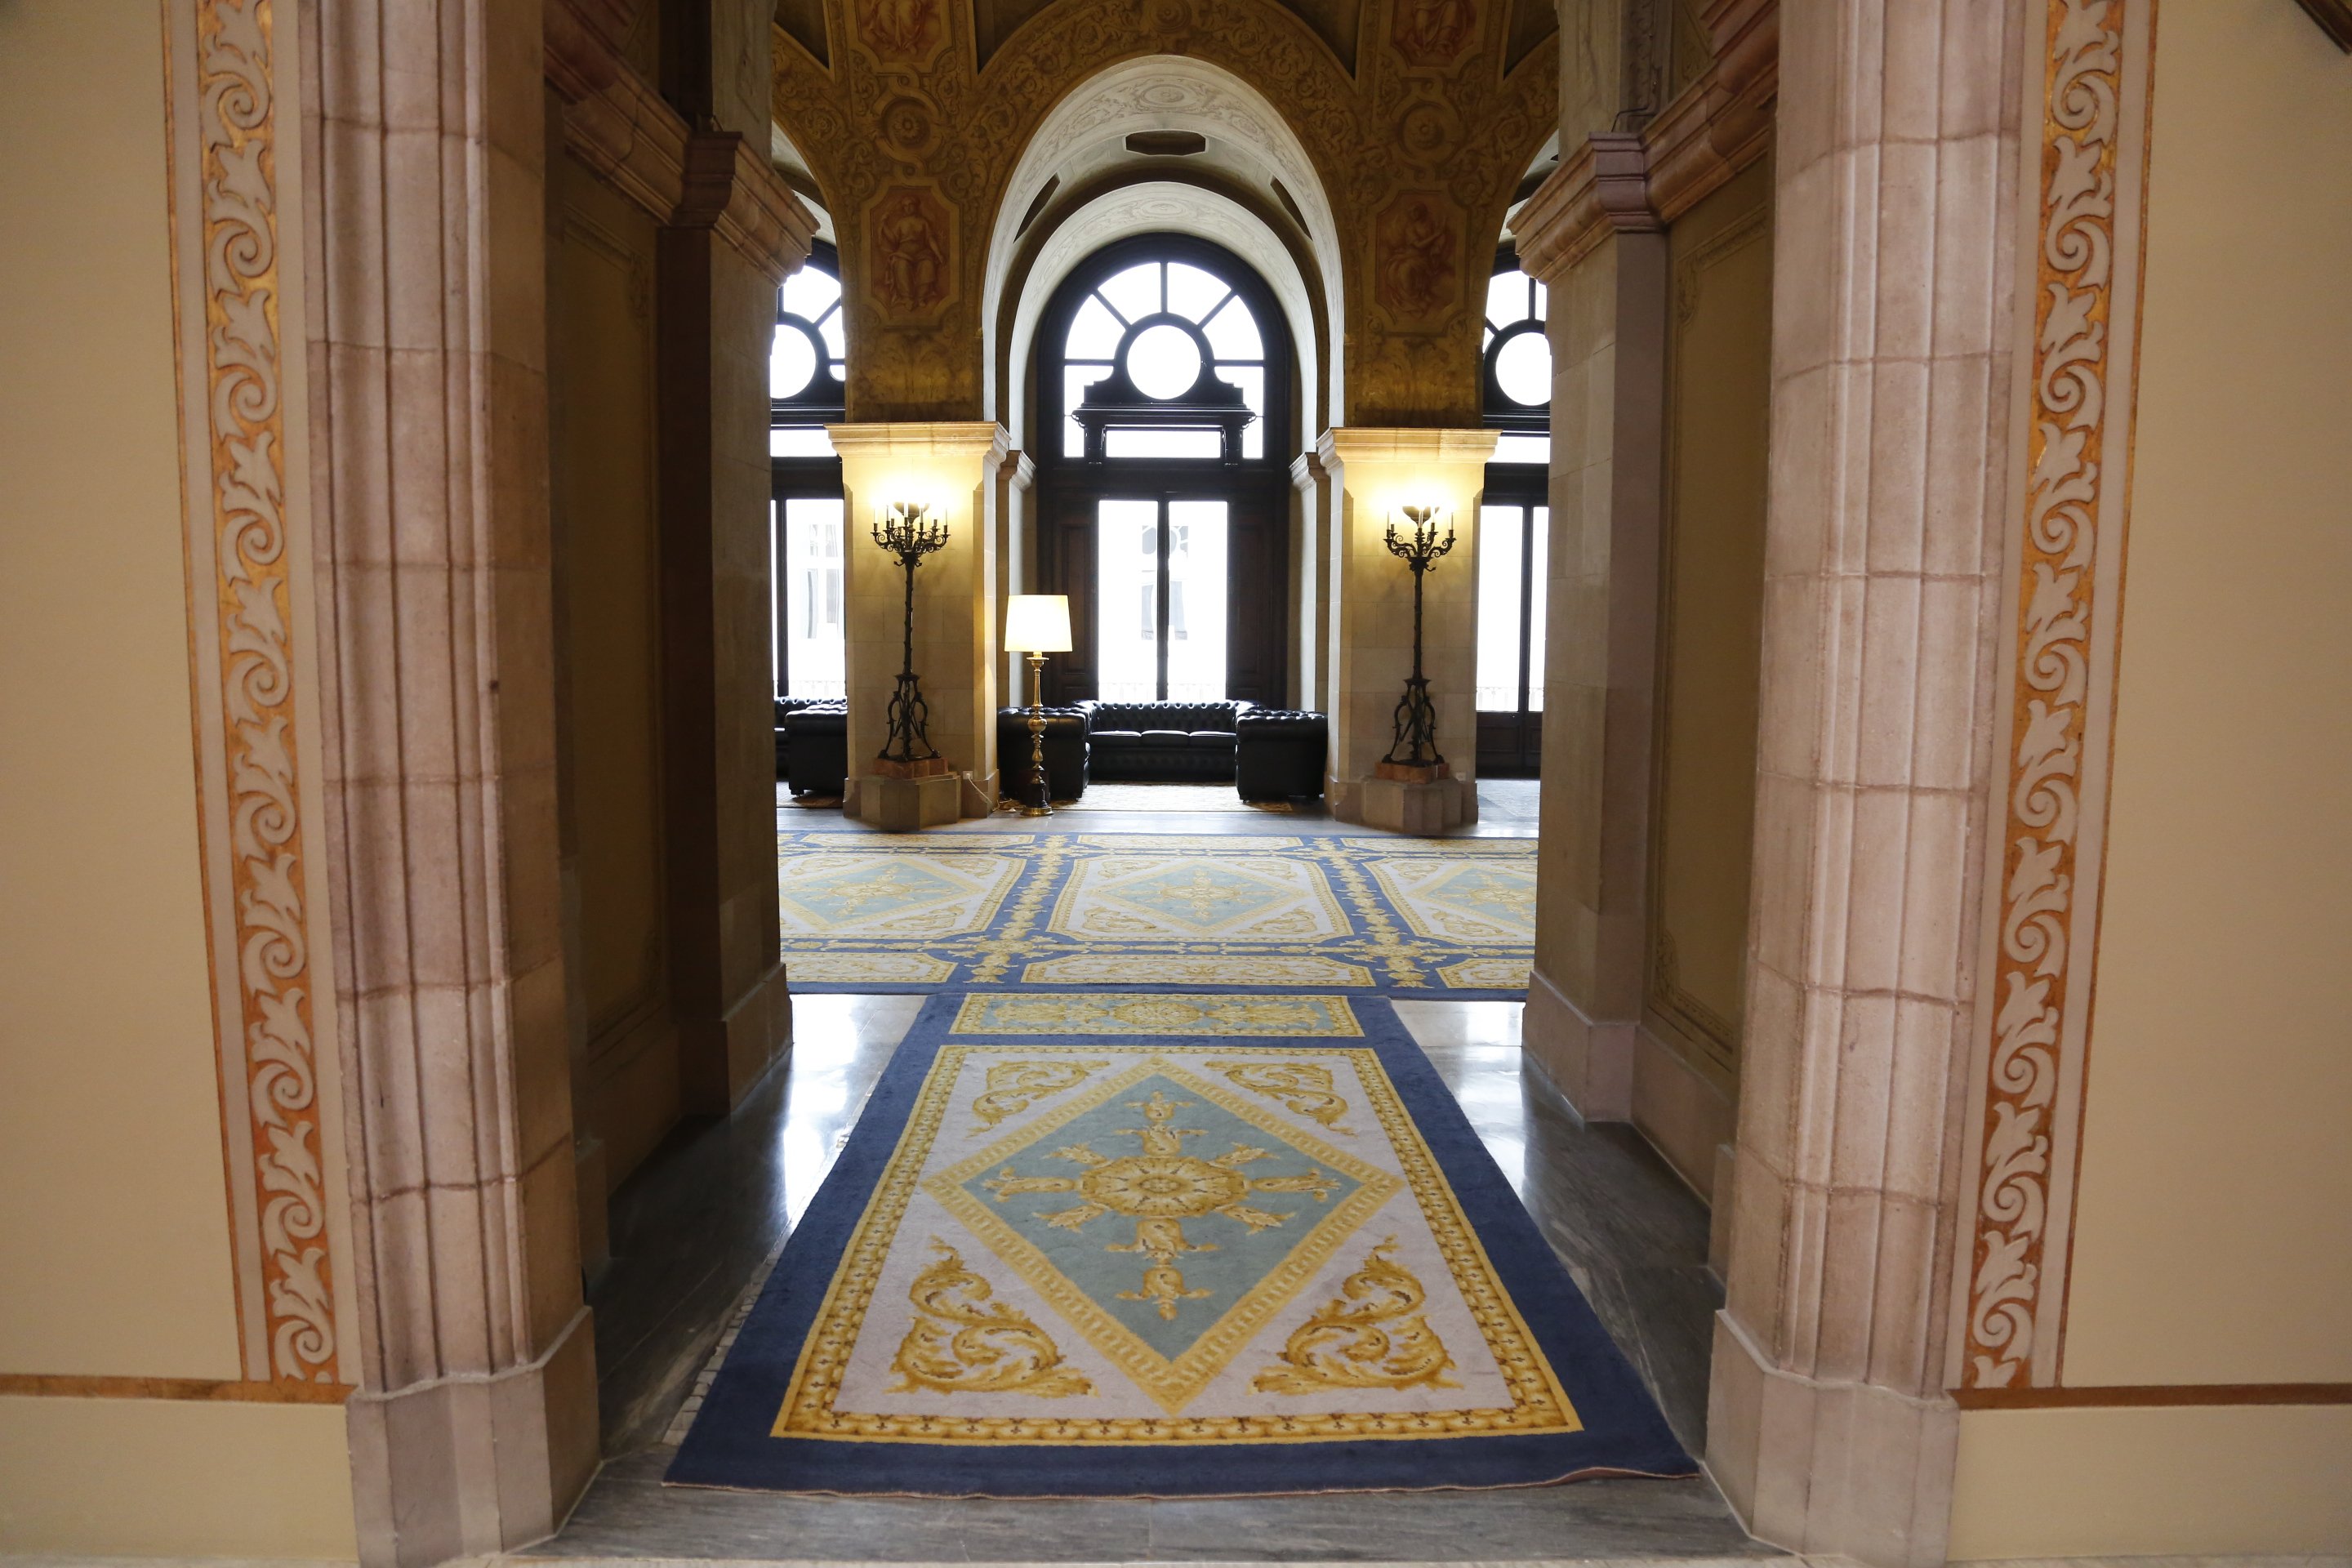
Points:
point(1414, 741)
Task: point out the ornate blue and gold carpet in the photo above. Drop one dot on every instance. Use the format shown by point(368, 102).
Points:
point(1200, 1245)
point(1228, 912)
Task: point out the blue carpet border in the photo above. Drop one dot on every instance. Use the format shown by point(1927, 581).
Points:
point(730, 1444)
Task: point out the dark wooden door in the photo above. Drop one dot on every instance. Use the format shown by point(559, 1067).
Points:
point(1257, 574)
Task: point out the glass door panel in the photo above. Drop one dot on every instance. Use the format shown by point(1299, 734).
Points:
point(1502, 606)
point(1539, 580)
point(1126, 601)
point(1196, 601)
point(1513, 540)
point(1160, 576)
point(810, 639)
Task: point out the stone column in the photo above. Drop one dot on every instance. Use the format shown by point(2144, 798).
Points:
point(1377, 471)
point(951, 469)
point(1828, 1425)
point(1310, 570)
point(1608, 330)
point(475, 1426)
point(1016, 569)
point(716, 314)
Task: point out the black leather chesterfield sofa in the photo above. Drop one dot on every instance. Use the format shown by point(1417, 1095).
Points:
point(1279, 753)
point(1162, 741)
point(1065, 753)
point(813, 746)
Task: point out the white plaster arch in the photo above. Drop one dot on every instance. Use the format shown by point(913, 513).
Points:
point(1160, 206)
point(1168, 92)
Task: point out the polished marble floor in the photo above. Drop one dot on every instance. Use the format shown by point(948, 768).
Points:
point(702, 1220)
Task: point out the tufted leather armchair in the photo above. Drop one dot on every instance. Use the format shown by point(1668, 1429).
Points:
point(1279, 752)
point(788, 705)
point(816, 746)
point(1065, 753)
point(1162, 740)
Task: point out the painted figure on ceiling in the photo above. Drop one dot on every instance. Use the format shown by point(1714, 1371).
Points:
point(1432, 32)
point(1415, 258)
point(910, 263)
point(899, 29)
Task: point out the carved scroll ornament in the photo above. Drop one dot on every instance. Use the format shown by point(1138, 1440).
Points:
point(2040, 889)
point(238, 127)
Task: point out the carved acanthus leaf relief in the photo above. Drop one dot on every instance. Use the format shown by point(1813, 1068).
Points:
point(2039, 892)
point(237, 115)
point(888, 115)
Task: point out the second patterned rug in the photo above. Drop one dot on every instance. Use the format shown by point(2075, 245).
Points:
point(1195, 1246)
point(1242, 911)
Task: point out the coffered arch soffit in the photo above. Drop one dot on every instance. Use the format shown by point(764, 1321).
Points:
point(1152, 206)
point(1169, 93)
point(915, 147)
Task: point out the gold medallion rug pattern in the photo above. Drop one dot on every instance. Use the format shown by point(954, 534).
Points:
point(1162, 1243)
point(1142, 1233)
point(862, 911)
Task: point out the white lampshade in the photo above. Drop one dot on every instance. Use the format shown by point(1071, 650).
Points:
point(1037, 622)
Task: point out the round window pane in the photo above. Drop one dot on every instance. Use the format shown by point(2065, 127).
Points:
point(792, 362)
point(808, 291)
point(1163, 361)
point(1524, 369)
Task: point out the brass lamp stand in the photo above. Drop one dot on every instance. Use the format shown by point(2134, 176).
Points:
point(1036, 625)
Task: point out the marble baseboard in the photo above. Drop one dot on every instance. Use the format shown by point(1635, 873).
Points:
point(1589, 1061)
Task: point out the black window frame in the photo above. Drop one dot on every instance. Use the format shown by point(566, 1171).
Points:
point(809, 478)
point(1510, 742)
point(1257, 489)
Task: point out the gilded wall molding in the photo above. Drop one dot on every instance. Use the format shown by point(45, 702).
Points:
point(229, 152)
point(1638, 182)
point(2087, 149)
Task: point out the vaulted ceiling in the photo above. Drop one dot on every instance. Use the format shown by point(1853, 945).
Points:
point(1337, 23)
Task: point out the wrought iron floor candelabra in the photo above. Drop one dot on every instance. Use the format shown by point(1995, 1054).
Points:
point(909, 531)
point(1415, 742)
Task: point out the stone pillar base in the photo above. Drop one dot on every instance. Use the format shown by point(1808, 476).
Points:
point(902, 805)
point(1411, 806)
point(1589, 1061)
point(466, 1466)
point(1829, 1467)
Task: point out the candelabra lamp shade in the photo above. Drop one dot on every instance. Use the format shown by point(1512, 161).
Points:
point(1037, 622)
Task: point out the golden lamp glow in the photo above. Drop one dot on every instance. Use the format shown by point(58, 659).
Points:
point(1037, 622)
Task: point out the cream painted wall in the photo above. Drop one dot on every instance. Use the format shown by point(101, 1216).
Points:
point(2213, 1243)
point(2187, 1480)
point(113, 1219)
point(180, 1479)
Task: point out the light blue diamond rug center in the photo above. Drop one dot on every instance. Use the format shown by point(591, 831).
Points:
point(1161, 1208)
point(1201, 894)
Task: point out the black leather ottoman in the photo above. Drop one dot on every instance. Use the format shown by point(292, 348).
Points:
point(1065, 753)
point(1279, 752)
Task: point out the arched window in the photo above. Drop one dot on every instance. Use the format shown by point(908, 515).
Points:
point(1164, 363)
point(807, 364)
point(1517, 364)
point(1164, 358)
point(1515, 524)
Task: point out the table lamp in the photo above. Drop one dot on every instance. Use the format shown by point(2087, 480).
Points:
point(1037, 624)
